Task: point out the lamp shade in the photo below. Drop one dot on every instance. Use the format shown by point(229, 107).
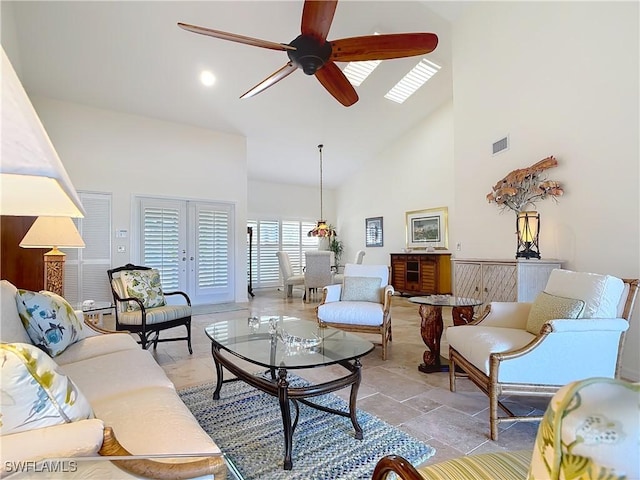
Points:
point(48, 232)
point(33, 180)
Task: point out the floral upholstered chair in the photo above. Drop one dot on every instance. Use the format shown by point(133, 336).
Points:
point(141, 305)
point(590, 430)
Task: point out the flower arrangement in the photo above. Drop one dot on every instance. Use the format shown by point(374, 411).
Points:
point(525, 186)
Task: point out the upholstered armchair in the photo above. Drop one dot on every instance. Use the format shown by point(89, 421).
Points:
point(289, 280)
point(590, 430)
point(141, 305)
point(573, 330)
point(317, 271)
point(362, 303)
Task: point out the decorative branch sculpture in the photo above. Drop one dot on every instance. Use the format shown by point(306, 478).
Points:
point(526, 186)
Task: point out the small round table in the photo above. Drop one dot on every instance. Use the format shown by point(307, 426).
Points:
point(431, 325)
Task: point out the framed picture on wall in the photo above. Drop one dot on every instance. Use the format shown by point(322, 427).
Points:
point(428, 228)
point(373, 232)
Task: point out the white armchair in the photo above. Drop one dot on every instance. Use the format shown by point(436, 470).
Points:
point(575, 329)
point(339, 277)
point(289, 280)
point(361, 304)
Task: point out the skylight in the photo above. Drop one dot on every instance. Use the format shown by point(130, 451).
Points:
point(357, 72)
point(412, 81)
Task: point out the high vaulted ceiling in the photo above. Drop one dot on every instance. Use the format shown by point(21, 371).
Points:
point(131, 57)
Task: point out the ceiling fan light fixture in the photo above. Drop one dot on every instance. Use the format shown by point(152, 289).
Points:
point(412, 81)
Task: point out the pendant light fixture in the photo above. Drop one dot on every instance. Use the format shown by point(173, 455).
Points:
point(321, 229)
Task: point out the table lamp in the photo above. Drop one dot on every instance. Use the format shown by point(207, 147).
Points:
point(53, 232)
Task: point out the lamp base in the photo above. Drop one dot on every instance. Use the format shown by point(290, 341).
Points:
point(54, 271)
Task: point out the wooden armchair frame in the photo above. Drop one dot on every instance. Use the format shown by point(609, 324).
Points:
point(494, 388)
point(148, 332)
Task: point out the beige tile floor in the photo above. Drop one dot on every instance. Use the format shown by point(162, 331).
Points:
point(394, 390)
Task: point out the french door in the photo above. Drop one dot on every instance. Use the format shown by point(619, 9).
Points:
point(191, 244)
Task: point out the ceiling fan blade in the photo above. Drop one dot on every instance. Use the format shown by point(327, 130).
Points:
point(382, 47)
point(317, 16)
point(332, 78)
point(272, 79)
point(256, 42)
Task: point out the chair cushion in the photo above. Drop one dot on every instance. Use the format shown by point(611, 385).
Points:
point(155, 315)
point(601, 293)
point(589, 430)
point(362, 289)
point(49, 320)
point(475, 343)
point(35, 393)
point(486, 466)
point(143, 285)
point(549, 307)
point(351, 313)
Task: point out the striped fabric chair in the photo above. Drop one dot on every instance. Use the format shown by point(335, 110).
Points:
point(589, 430)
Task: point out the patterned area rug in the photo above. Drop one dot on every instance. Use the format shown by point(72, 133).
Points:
point(247, 425)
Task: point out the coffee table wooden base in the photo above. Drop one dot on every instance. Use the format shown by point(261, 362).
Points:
point(287, 395)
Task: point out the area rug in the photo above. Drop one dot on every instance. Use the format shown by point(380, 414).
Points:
point(247, 425)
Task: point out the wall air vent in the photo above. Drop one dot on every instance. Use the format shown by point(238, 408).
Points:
point(501, 145)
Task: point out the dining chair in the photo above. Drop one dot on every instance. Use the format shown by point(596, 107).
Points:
point(317, 272)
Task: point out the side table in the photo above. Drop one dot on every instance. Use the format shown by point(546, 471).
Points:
point(431, 326)
point(94, 312)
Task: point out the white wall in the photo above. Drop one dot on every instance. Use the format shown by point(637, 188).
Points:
point(127, 155)
point(414, 173)
point(561, 78)
point(290, 202)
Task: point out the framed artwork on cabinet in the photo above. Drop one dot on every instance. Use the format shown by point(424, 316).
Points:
point(428, 229)
point(373, 232)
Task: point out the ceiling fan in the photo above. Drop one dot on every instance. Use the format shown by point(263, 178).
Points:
point(311, 51)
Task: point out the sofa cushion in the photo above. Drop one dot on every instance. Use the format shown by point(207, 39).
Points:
point(550, 307)
point(144, 285)
point(362, 289)
point(160, 415)
point(11, 330)
point(485, 466)
point(601, 293)
point(95, 346)
point(117, 373)
point(35, 393)
point(50, 321)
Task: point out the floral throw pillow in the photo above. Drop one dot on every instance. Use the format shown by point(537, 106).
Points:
point(49, 320)
point(144, 285)
point(34, 393)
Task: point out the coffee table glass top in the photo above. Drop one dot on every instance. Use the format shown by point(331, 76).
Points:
point(286, 342)
point(446, 301)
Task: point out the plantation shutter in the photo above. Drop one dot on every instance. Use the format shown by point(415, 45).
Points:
point(163, 240)
point(85, 273)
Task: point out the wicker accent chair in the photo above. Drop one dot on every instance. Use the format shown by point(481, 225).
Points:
point(589, 430)
point(574, 329)
point(339, 277)
point(362, 304)
point(141, 307)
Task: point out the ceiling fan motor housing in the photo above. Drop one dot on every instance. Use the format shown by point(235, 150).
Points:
point(310, 54)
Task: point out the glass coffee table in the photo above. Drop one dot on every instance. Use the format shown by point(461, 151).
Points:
point(280, 344)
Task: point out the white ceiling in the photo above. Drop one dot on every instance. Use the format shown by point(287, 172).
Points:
point(132, 57)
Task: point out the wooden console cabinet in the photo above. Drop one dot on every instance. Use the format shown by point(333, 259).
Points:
point(421, 273)
point(501, 280)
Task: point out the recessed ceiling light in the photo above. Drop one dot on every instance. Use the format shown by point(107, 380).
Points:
point(207, 78)
point(412, 81)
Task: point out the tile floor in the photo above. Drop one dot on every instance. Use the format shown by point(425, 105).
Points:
point(394, 390)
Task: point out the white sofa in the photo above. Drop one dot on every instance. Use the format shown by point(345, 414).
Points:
point(128, 392)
